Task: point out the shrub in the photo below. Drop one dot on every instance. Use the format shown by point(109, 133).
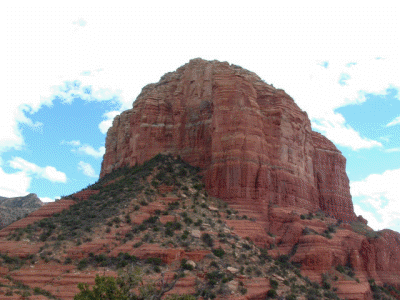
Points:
point(214, 276)
point(274, 284)
point(219, 252)
point(82, 264)
point(185, 235)
point(185, 265)
point(68, 260)
point(246, 246)
point(272, 294)
point(207, 239)
point(340, 268)
point(155, 261)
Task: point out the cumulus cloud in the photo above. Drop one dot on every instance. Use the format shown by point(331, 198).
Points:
point(85, 148)
point(89, 150)
point(47, 199)
point(106, 124)
point(86, 169)
point(307, 59)
point(396, 121)
point(336, 129)
point(370, 217)
point(15, 184)
point(49, 172)
point(381, 192)
point(71, 143)
point(321, 90)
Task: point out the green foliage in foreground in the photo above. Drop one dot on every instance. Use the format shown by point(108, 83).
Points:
point(104, 288)
point(109, 288)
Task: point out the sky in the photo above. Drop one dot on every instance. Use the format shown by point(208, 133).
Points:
point(67, 72)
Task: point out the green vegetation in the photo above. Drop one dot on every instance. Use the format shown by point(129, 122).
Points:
point(207, 239)
point(122, 288)
point(385, 292)
point(346, 270)
point(363, 229)
point(162, 202)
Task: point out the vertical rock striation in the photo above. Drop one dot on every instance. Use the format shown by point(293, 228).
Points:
point(253, 143)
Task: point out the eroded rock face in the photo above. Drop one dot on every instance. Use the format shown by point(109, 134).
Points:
point(12, 209)
point(253, 143)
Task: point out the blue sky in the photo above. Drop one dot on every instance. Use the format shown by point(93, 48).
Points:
point(69, 71)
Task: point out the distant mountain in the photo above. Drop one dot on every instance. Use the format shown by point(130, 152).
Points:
point(12, 209)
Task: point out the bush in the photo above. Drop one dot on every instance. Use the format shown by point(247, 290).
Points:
point(155, 261)
point(68, 260)
point(340, 268)
point(185, 265)
point(219, 252)
point(104, 286)
point(207, 239)
point(82, 264)
point(272, 294)
point(274, 284)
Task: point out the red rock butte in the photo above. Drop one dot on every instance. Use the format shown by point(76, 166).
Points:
point(255, 146)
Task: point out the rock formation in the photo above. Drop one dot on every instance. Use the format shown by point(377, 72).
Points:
point(286, 187)
point(253, 143)
point(15, 208)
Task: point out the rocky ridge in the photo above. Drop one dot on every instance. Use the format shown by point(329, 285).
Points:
point(12, 209)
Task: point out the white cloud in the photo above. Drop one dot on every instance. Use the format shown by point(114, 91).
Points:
point(392, 150)
point(86, 169)
point(72, 143)
point(85, 148)
point(89, 150)
point(26, 166)
point(396, 121)
point(334, 128)
point(49, 172)
point(53, 175)
point(106, 124)
point(15, 184)
point(47, 199)
point(370, 217)
point(60, 52)
point(381, 191)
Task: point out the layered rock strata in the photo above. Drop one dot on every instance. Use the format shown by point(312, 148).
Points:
point(254, 144)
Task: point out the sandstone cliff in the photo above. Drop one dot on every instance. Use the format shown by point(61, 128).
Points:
point(253, 143)
point(287, 202)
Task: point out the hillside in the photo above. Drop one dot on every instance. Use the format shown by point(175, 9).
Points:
point(12, 209)
point(212, 185)
point(158, 217)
